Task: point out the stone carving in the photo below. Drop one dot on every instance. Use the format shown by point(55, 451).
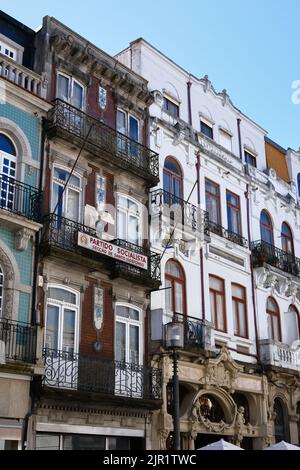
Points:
point(222, 371)
point(163, 436)
point(22, 236)
point(207, 83)
point(239, 424)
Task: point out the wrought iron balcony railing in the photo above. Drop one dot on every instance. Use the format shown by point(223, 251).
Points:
point(193, 330)
point(106, 142)
point(20, 198)
point(180, 211)
point(225, 233)
point(72, 371)
point(59, 232)
point(263, 252)
point(17, 341)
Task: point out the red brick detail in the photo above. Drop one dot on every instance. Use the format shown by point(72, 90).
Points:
point(89, 333)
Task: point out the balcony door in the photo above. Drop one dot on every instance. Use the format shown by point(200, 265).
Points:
point(266, 228)
point(172, 180)
point(287, 239)
point(128, 352)
point(61, 337)
point(175, 290)
point(128, 125)
point(128, 220)
point(8, 167)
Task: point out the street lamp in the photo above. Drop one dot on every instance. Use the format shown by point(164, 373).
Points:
point(174, 337)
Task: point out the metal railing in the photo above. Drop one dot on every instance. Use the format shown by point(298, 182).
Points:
point(228, 234)
point(108, 141)
point(18, 341)
point(61, 233)
point(193, 330)
point(179, 210)
point(72, 371)
point(21, 76)
point(263, 252)
point(20, 198)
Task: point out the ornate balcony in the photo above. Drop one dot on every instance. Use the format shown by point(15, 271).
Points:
point(60, 235)
point(194, 330)
point(21, 76)
point(20, 198)
point(102, 141)
point(179, 211)
point(265, 253)
point(72, 371)
point(280, 355)
point(228, 234)
point(17, 341)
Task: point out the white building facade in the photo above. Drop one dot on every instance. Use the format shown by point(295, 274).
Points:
point(232, 274)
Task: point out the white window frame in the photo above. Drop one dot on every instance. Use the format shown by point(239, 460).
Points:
point(127, 117)
point(128, 322)
point(16, 48)
point(62, 306)
point(127, 212)
point(65, 194)
point(71, 80)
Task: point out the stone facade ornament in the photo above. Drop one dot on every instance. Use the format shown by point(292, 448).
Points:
point(22, 236)
point(207, 83)
point(222, 371)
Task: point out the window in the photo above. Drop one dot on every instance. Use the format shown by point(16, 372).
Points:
point(68, 200)
point(212, 200)
point(292, 325)
point(239, 309)
point(206, 128)
point(70, 90)
point(170, 107)
point(273, 314)
point(7, 50)
point(287, 239)
point(128, 220)
point(175, 288)
point(1, 290)
point(266, 228)
point(172, 180)
point(61, 332)
point(280, 422)
point(128, 125)
point(217, 302)
point(249, 158)
point(8, 168)
point(233, 213)
point(225, 139)
point(128, 335)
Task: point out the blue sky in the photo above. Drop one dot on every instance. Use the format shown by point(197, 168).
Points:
point(249, 47)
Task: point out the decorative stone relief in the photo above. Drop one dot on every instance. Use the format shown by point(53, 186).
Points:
point(22, 236)
point(206, 83)
point(222, 371)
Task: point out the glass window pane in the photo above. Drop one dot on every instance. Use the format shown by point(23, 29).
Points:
point(173, 269)
point(62, 294)
point(271, 305)
point(121, 122)
point(220, 316)
point(168, 296)
point(122, 311)
point(237, 291)
point(235, 320)
point(6, 145)
point(167, 182)
point(68, 344)
point(178, 298)
point(242, 317)
point(83, 442)
point(276, 328)
point(120, 352)
point(72, 211)
point(134, 344)
point(215, 283)
point(62, 88)
point(121, 225)
point(133, 129)
point(134, 314)
point(51, 336)
point(47, 442)
point(77, 98)
point(133, 230)
point(57, 191)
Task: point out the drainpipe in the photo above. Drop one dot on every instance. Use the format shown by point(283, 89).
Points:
point(189, 84)
point(239, 135)
point(198, 167)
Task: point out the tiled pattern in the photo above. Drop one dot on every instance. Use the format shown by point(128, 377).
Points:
point(30, 176)
point(23, 258)
point(24, 307)
point(27, 122)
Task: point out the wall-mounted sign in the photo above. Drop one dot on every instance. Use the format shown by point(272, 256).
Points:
point(113, 251)
point(98, 307)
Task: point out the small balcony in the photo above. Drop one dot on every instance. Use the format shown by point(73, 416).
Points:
point(20, 198)
point(17, 342)
point(179, 211)
point(228, 234)
point(60, 236)
point(72, 371)
point(265, 253)
point(280, 355)
point(102, 141)
point(21, 76)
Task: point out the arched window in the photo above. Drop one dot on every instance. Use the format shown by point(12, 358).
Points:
point(292, 326)
point(273, 315)
point(175, 288)
point(266, 228)
point(1, 290)
point(8, 163)
point(281, 431)
point(172, 180)
point(287, 239)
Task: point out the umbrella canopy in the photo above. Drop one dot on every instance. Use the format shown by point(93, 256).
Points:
point(282, 445)
point(220, 445)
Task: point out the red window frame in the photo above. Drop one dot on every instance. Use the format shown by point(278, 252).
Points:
point(179, 280)
point(266, 228)
point(275, 314)
point(236, 301)
point(174, 176)
point(216, 197)
point(220, 293)
point(234, 208)
point(287, 239)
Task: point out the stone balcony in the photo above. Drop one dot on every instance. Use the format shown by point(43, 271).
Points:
point(280, 355)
